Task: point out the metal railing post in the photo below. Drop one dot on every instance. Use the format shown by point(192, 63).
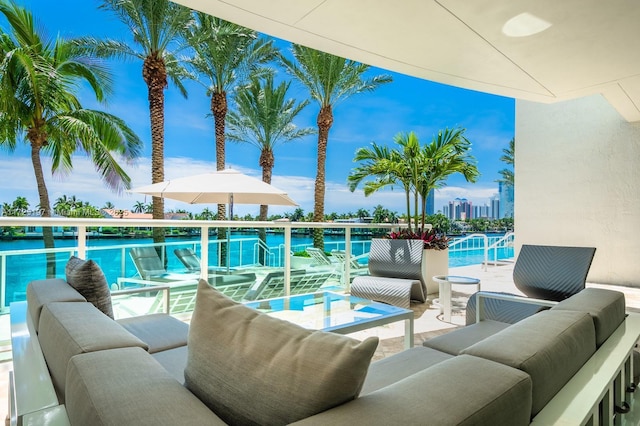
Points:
point(204, 252)
point(82, 242)
point(3, 281)
point(287, 260)
point(347, 262)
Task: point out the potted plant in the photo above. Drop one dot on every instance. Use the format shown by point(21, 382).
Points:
point(301, 260)
point(418, 169)
point(435, 253)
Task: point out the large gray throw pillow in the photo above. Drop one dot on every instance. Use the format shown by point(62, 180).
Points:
point(250, 368)
point(88, 280)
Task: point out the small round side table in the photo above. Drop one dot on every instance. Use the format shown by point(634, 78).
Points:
point(445, 282)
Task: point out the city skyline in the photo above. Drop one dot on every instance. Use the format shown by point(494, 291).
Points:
point(407, 104)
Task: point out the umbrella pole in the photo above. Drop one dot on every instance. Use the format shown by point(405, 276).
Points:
point(229, 231)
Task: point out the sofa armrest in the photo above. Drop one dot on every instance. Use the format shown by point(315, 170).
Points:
point(610, 369)
point(31, 387)
point(481, 295)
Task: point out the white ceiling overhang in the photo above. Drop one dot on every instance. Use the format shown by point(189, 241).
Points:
point(590, 46)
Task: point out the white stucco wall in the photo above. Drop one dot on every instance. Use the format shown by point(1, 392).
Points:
point(577, 178)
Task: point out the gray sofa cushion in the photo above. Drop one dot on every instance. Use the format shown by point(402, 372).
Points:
point(174, 361)
point(87, 277)
point(159, 331)
point(394, 368)
point(606, 307)
point(71, 328)
point(251, 368)
point(463, 390)
point(41, 292)
point(550, 346)
point(457, 340)
point(128, 387)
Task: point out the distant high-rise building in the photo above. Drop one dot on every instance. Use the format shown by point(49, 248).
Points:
point(506, 199)
point(460, 209)
point(495, 207)
point(483, 211)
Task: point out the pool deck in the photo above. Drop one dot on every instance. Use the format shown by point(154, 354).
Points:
point(428, 320)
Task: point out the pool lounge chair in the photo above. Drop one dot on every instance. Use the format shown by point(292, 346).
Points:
point(301, 282)
point(150, 268)
point(542, 272)
point(356, 268)
point(319, 257)
point(148, 264)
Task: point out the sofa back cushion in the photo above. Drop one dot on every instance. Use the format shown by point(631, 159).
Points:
point(41, 292)
point(550, 346)
point(71, 328)
point(128, 387)
point(606, 307)
point(250, 368)
point(87, 278)
point(463, 391)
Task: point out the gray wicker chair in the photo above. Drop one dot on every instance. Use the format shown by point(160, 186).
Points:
point(541, 272)
point(395, 273)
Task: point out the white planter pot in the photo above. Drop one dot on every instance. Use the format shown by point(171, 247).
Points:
point(300, 262)
point(434, 262)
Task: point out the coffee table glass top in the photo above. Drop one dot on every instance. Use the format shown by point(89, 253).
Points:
point(330, 311)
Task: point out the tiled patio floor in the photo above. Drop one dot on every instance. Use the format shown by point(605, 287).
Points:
point(428, 320)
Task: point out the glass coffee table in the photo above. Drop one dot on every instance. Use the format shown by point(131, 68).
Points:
point(335, 312)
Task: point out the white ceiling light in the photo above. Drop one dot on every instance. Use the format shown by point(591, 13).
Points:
point(524, 25)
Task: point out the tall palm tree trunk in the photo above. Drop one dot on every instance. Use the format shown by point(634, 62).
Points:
point(266, 161)
point(45, 205)
point(325, 121)
point(155, 75)
point(219, 110)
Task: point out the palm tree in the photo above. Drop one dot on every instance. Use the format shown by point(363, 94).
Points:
point(109, 205)
point(329, 80)
point(448, 153)
point(264, 119)
point(138, 207)
point(157, 25)
point(226, 54)
point(297, 216)
point(418, 169)
point(21, 204)
point(387, 166)
point(509, 158)
point(39, 78)
point(61, 205)
point(362, 213)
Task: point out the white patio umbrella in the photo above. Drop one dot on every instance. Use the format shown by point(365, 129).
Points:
point(222, 187)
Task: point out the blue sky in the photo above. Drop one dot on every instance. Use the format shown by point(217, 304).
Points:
point(406, 104)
